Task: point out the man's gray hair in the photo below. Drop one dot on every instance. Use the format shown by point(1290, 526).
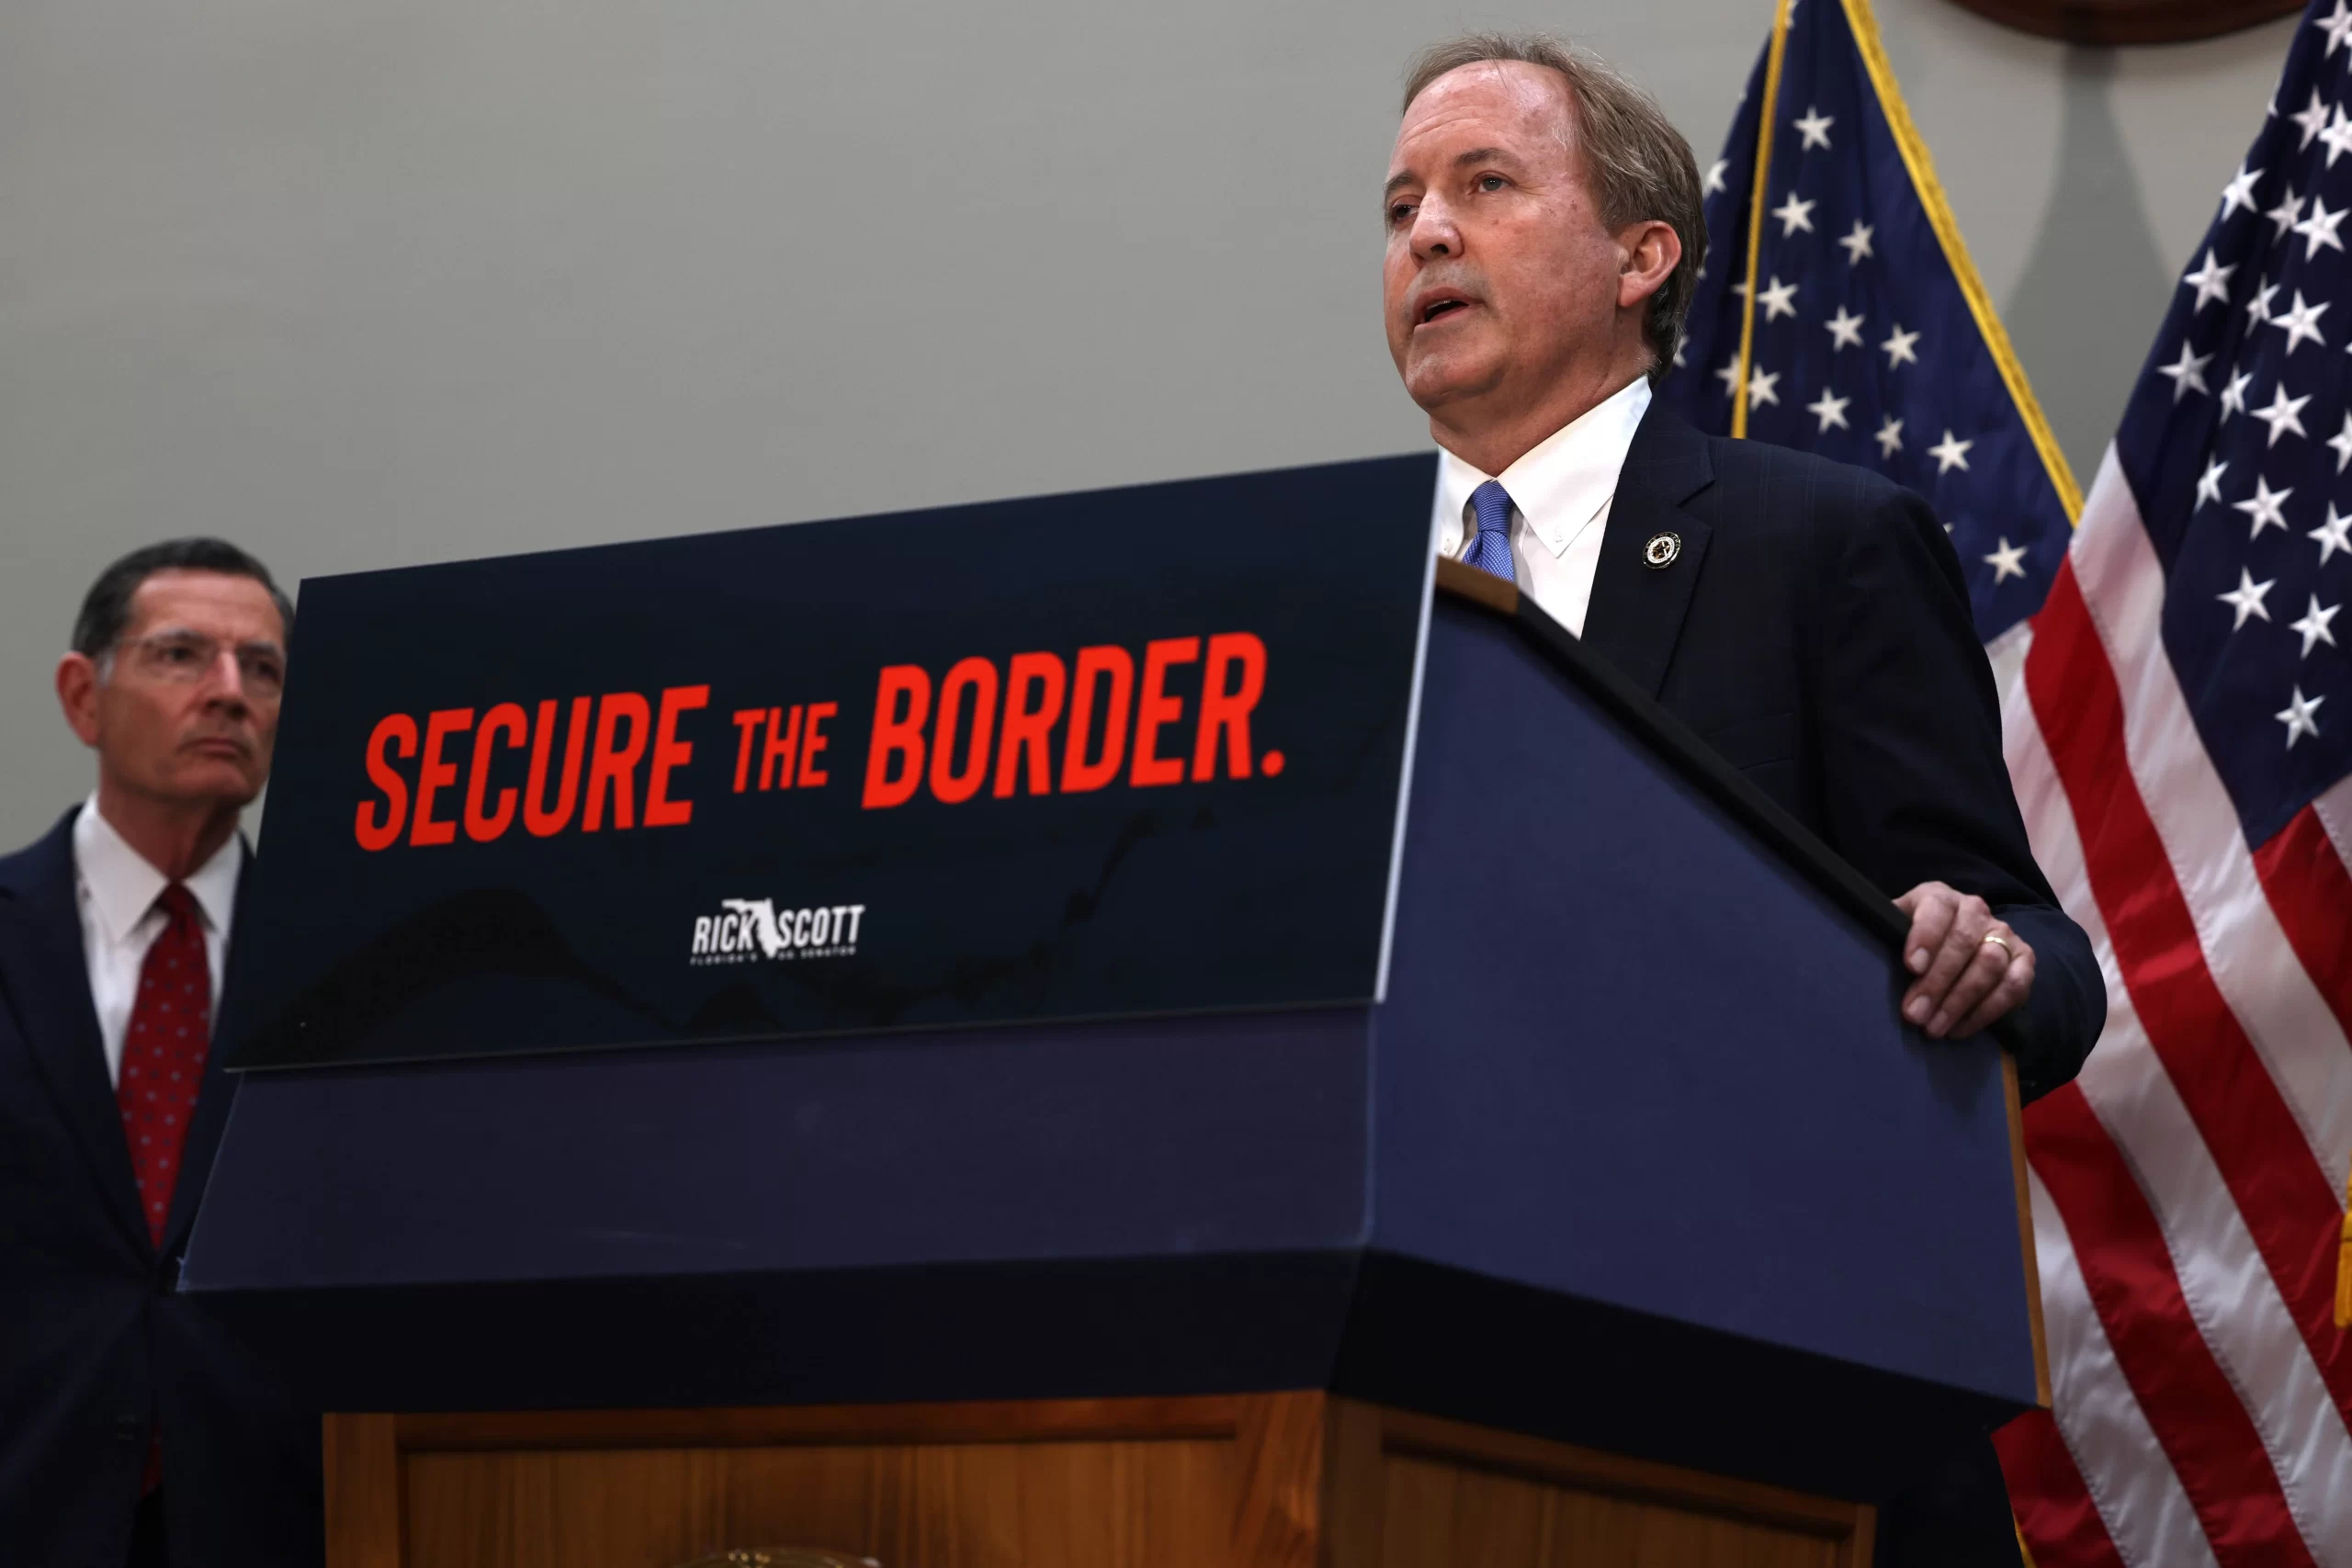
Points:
point(106, 611)
point(1638, 165)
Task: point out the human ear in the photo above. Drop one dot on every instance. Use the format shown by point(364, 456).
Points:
point(77, 693)
point(1648, 253)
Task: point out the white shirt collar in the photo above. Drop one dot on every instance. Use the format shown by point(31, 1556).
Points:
point(1560, 484)
point(123, 885)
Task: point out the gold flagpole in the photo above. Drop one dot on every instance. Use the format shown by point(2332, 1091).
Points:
point(1771, 96)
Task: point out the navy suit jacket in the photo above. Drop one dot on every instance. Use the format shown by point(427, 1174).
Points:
point(95, 1342)
point(1814, 631)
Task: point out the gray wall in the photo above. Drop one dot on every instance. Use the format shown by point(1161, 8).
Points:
point(385, 281)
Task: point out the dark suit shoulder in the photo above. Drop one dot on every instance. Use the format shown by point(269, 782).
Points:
point(1798, 489)
point(1835, 526)
point(45, 866)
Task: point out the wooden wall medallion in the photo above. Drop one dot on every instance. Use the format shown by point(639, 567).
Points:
point(2131, 21)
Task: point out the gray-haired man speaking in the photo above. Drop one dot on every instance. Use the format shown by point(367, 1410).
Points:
point(1806, 618)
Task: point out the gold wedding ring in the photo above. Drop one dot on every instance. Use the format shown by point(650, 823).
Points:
point(1995, 936)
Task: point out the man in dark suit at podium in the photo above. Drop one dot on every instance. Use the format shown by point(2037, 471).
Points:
point(1805, 617)
point(132, 1429)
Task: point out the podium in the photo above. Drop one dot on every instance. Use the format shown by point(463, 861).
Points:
point(1632, 1226)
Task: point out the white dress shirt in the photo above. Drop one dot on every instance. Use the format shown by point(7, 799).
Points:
point(1560, 493)
point(116, 889)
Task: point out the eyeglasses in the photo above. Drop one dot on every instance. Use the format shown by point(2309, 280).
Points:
point(189, 657)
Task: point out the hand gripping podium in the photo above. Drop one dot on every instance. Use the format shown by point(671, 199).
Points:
point(1629, 1224)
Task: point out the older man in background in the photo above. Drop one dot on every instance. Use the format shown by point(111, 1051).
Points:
point(1806, 618)
point(133, 1427)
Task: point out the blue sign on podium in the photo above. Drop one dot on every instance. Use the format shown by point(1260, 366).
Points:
point(1127, 751)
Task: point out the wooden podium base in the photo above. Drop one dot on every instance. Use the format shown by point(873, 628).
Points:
point(1254, 1481)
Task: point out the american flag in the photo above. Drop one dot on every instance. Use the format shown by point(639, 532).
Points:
point(1847, 320)
point(2169, 673)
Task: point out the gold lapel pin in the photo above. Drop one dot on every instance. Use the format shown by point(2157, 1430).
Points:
point(1661, 551)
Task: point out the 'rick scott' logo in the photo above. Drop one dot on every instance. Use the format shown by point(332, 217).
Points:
point(752, 930)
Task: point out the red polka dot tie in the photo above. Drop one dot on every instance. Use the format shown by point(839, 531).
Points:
point(163, 1053)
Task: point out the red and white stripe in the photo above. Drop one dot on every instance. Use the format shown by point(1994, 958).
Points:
point(2186, 1188)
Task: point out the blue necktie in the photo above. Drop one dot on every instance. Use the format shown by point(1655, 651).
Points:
point(1491, 551)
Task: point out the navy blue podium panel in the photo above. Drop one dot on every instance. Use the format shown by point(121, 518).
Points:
point(1626, 1056)
point(1631, 1055)
point(1120, 1139)
point(1635, 1153)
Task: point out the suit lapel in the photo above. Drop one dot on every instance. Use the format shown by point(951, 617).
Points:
point(1635, 615)
point(45, 984)
point(219, 1086)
